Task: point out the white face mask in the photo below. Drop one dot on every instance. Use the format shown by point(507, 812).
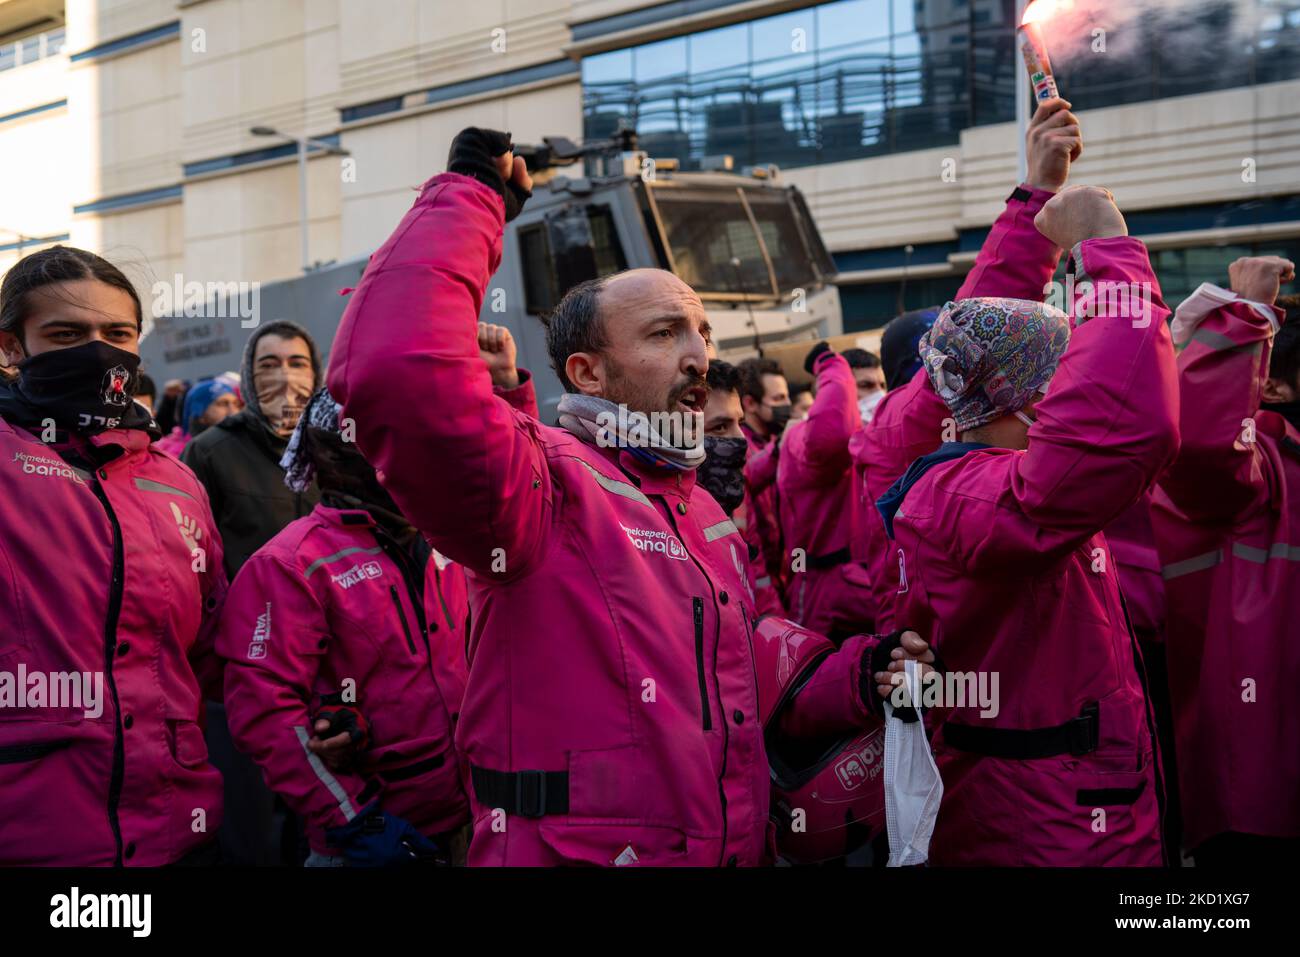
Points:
point(913, 788)
point(867, 405)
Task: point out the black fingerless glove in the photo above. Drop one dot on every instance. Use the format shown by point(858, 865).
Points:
point(474, 153)
point(876, 659)
point(814, 354)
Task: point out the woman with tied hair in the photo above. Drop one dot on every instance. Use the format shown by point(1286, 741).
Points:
point(110, 579)
point(1005, 570)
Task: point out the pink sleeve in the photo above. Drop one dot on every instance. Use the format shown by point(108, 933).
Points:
point(269, 686)
point(1219, 473)
point(1016, 260)
point(1105, 431)
point(760, 469)
point(831, 702)
point(523, 397)
point(818, 453)
point(465, 467)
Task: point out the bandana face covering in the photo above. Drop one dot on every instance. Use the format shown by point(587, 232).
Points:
point(282, 395)
point(723, 470)
point(85, 389)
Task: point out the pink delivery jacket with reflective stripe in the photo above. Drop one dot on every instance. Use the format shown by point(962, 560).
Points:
point(110, 568)
point(329, 600)
point(611, 713)
point(1007, 573)
point(1227, 519)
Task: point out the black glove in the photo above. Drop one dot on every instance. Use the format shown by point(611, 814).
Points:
point(474, 152)
point(814, 354)
point(878, 659)
point(343, 718)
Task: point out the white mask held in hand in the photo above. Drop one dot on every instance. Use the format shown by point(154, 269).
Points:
point(282, 394)
point(867, 405)
point(913, 789)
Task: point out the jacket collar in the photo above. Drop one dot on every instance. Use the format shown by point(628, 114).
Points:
point(649, 479)
point(889, 503)
point(344, 517)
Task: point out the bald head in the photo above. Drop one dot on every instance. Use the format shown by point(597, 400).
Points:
point(639, 337)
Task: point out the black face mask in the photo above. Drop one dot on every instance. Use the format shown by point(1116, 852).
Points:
point(780, 417)
point(85, 389)
point(723, 471)
point(1288, 410)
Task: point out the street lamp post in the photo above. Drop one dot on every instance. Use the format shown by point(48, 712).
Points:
point(303, 143)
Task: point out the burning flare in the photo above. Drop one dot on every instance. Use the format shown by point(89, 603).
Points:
point(1040, 10)
point(1034, 48)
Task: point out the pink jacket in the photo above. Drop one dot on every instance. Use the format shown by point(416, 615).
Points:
point(333, 599)
point(114, 571)
point(1006, 574)
point(759, 524)
point(174, 442)
point(450, 577)
point(610, 713)
point(1015, 261)
point(1133, 543)
point(827, 592)
point(1227, 518)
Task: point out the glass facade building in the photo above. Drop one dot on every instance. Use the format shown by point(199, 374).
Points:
point(859, 78)
point(853, 79)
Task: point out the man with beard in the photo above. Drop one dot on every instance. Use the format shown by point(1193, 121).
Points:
point(611, 712)
point(238, 461)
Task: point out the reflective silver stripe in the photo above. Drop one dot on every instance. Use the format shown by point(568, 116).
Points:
point(715, 532)
point(764, 582)
point(327, 779)
point(615, 486)
point(149, 485)
point(337, 555)
point(1189, 565)
point(1281, 550)
point(1221, 343)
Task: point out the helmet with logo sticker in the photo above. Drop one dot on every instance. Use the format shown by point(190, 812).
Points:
point(828, 795)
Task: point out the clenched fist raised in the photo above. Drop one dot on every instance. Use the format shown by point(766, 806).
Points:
point(1260, 278)
point(1078, 213)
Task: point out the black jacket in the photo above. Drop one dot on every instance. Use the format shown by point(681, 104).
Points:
point(238, 462)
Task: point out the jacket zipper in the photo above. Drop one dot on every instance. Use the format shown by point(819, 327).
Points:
point(717, 632)
point(110, 652)
point(410, 642)
point(698, 607)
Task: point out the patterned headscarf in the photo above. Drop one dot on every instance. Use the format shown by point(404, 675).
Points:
point(988, 357)
point(322, 412)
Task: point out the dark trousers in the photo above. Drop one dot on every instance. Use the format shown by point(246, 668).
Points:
point(1153, 658)
point(256, 829)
